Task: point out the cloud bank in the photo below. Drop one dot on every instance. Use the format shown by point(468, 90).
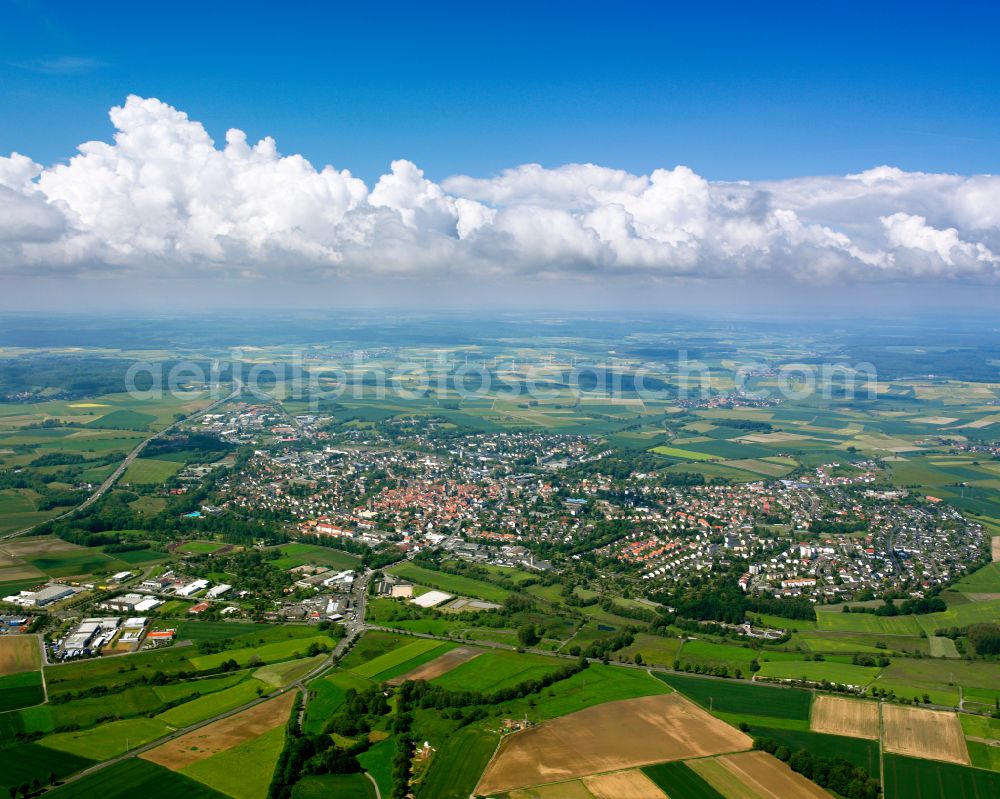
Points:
point(164, 200)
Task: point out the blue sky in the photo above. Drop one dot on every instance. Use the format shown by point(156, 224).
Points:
point(732, 90)
point(865, 138)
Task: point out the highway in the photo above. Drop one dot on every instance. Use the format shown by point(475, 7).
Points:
point(104, 487)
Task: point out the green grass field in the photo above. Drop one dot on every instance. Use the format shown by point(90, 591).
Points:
point(86, 712)
point(205, 707)
point(984, 581)
point(216, 630)
point(742, 697)
point(135, 777)
point(113, 671)
point(416, 647)
point(293, 555)
point(908, 778)
point(818, 670)
point(460, 761)
point(107, 740)
point(961, 616)
point(655, 650)
point(492, 671)
point(73, 562)
point(245, 770)
point(278, 675)
point(858, 751)
point(676, 779)
point(26, 762)
point(332, 786)
point(149, 471)
point(838, 621)
point(268, 653)
point(451, 583)
point(21, 690)
point(377, 761)
point(328, 694)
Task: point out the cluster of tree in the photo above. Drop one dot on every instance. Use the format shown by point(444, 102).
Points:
point(985, 638)
point(909, 607)
point(834, 773)
point(358, 712)
point(603, 647)
point(832, 527)
point(868, 660)
point(787, 608)
point(714, 671)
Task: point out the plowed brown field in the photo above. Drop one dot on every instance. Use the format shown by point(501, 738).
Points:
point(609, 737)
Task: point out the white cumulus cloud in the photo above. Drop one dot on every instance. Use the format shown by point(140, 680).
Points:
point(164, 199)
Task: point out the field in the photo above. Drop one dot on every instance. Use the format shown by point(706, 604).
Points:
point(333, 786)
point(26, 762)
point(328, 695)
point(759, 775)
point(494, 670)
point(201, 744)
point(207, 706)
point(918, 732)
point(851, 717)
point(390, 662)
point(21, 690)
point(215, 630)
point(268, 652)
point(819, 670)
point(243, 771)
point(135, 777)
point(908, 778)
point(278, 675)
point(861, 752)
point(19, 653)
point(377, 761)
point(834, 620)
point(440, 665)
point(149, 471)
point(450, 583)
point(107, 740)
point(742, 698)
point(293, 555)
point(609, 737)
point(683, 781)
point(633, 784)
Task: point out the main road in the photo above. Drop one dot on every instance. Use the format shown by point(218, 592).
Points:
point(113, 478)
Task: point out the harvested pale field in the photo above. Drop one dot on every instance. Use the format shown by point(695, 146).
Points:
point(574, 789)
point(440, 665)
point(918, 732)
point(722, 779)
point(935, 420)
point(36, 547)
point(19, 572)
point(766, 777)
point(609, 737)
point(222, 734)
point(623, 785)
point(19, 653)
point(995, 547)
point(851, 717)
